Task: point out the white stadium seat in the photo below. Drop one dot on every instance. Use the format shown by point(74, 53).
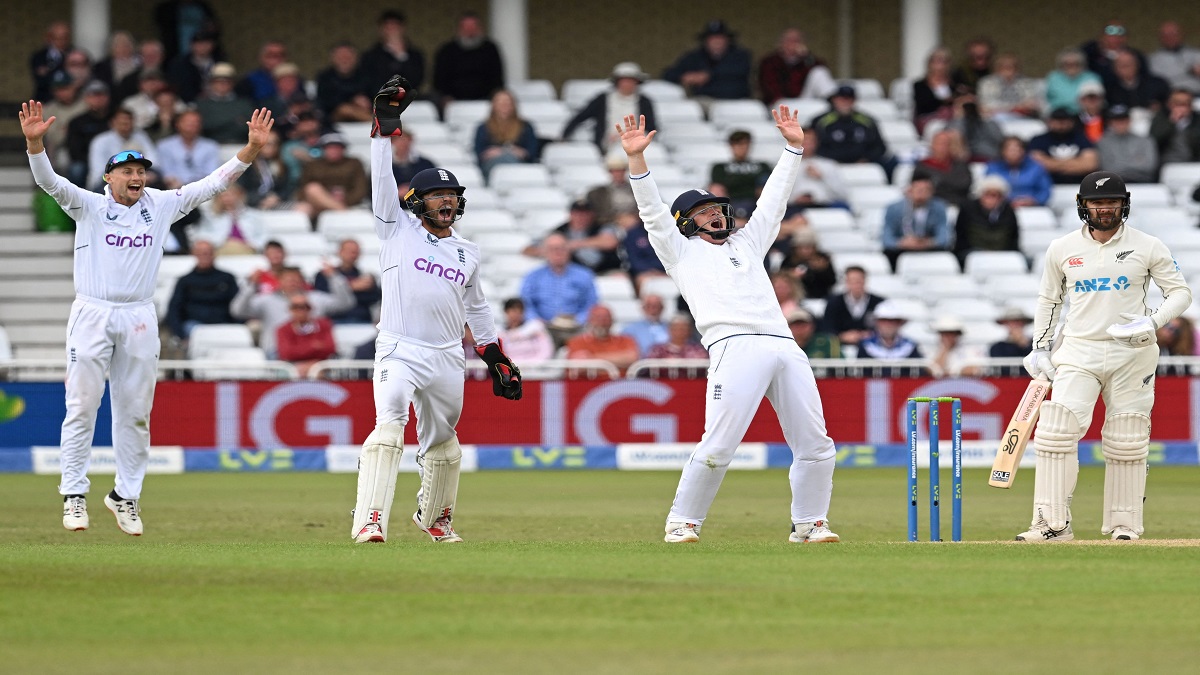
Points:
point(284, 222)
point(428, 132)
point(420, 112)
point(916, 264)
point(1023, 129)
point(686, 111)
point(661, 91)
point(500, 243)
point(1177, 175)
point(547, 117)
point(862, 174)
point(966, 309)
point(828, 220)
point(865, 197)
point(532, 90)
point(526, 199)
point(874, 263)
point(1015, 289)
point(614, 287)
point(981, 265)
point(578, 179)
point(337, 225)
point(1036, 218)
point(806, 109)
point(867, 89)
point(901, 91)
point(848, 241)
point(730, 114)
point(447, 152)
point(880, 108)
point(1150, 194)
point(508, 177)
point(207, 339)
point(245, 358)
point(571, 153)
point(467, 114)
point(475, 221)
point(576, 93)
point(310, 244)
point(348, 336)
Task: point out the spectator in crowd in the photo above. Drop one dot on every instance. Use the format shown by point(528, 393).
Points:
point(1064, 151)
point(811, 266)
point(224, 113)
point(610, 107)
point(1007, 94)
point(504, 138)
point(820, 181)
point(1177, 337)
point(946, 165)
point(792, 71)
point(273, 309)
point(302, 146)
point(616, 196)
point(788, 292)
point(981, 135)
point(187, 156)
point(169, 109)
point(85, 127)
point(1176, 129)
point(717, 69)
point(1092, 106)
point(850, 315)
point(343, 90)
point(152, 55)
point(142, 103)
point(1029, 183)
point(1133, 157)
point(335, 183)
point(79, 66)
point(267, 281)
point(849, 136)
point(524, 339)
point(66, 105)
point(201, 296)
point(933, 95)
point(560, 287)
point(1132, 86)
point(179, 21)
point(1175, 61)
point(468, 67)
point(598, 341)
point(1018, 343)
point(50, 59)
point(636, 253)
point(592, 244)
point(290, 104)
point(121, 135)
point(189, 71)
point(916, 223)
point(259, 84)
point(650, 329)
point(988, 222)
point(229, 225)
point(740, 178)
point(680, 342)
point(816, 345)
point(886, 342)
point(120, 69)
point(976, 65)
point(407, 162)
point(394, 53)
point(303, 339)
point(952, 358)
point(1102, 51)
point(367, 293)
point(1063, 83)
point(266, 183)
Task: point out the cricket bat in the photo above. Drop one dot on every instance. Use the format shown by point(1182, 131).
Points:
point(1017, 433)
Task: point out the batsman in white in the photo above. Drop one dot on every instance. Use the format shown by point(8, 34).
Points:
point(430, 280)
point(1106, 348)
point(113, 328)
point(751, 351)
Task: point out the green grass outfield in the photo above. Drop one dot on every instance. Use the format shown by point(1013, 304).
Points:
point(565, 572)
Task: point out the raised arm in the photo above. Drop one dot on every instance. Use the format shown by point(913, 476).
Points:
point(34, 127)
point(195, 194)
point(660, 224)
point(389, 104)
point(768, 212)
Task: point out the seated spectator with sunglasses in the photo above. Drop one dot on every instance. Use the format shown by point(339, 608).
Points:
point(304, 340)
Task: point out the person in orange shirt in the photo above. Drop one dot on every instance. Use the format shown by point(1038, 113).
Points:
point(597, 341)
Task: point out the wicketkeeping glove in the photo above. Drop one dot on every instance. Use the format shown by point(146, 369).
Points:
point(506, 377)
point(1139, 332)
point(1037, 364)
point(391, 100)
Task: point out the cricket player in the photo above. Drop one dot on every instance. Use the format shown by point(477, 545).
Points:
point(430, 281)
point(113, 328)
point(720, 274)
point(1107, 348)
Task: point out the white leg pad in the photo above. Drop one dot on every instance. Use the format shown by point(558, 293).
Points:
point(1056, 444)
point(377, 468)
point(1126, 443)
point(439, 479)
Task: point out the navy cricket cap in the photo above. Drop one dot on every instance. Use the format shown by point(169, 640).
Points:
point(125, 157)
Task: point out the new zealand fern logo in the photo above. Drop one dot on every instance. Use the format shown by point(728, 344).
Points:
point(11, 407)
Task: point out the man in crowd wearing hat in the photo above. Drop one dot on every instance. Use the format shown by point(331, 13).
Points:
point(1091, 105)
point(609, 107)
point(952, 358)
point(85, 127)
point(1121, 151)
point(1064, 150)
point(1017, 344)
point(66, 105)
point(717, 69)
point(886, 343)
point(592, 243)
point(1102, 51)
point(816, 345)
point(792, 71)
point(741, 178)
point(617, 196)
point(336, 182)
point(849, 136)
point(223, 111)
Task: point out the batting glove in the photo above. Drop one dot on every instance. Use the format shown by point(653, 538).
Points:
point(1037, 364)
point(391, 100)
point(1138, 332)
point(506, 377)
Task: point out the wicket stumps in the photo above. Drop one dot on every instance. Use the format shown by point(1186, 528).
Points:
point(935, 471)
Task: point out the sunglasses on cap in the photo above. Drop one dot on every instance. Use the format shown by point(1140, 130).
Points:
point(300, 307)
point(124, 158)
point(1114, 30)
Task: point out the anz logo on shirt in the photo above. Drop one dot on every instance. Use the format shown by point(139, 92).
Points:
point(1101, 284)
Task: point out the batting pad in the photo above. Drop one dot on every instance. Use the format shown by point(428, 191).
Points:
point(377, 468)
point(439, 479)
point(1126, 443)
point(1056, 445)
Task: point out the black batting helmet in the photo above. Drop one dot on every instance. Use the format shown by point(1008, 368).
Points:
point(1101, 185)
point(427, 181)
point(690, 200)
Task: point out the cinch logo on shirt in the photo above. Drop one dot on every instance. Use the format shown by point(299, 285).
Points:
point(1101, 284)
point(428, 266)
point(118, 241)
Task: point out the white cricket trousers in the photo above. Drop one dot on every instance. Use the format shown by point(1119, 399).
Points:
point(429, 378)
point(120, 341)
point(1087, 369)
point(742, 369)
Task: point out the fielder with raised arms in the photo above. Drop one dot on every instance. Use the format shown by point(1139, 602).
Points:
point(430, 292)
point(113, 327)
point(1107, 348)
point(751, 350)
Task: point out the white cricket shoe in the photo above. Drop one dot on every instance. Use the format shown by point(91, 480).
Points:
point(126, 511)
point(442, 530)
point(1040, 533)
point(1122, 533)
point(75, 515)
point(813, 533)
point(681, 533)
point(371, 533)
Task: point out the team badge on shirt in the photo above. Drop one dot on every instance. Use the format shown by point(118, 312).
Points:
point(1075, 262)
point(1123, 255)
point(431, 239)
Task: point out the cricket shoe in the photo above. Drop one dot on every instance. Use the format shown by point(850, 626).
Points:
point(813, 533)
point(442, 530)
point(126, 511)
point(682, 533)
point(1040, 533)
point(75, 515)
point(371, 533)
point(1122, 533)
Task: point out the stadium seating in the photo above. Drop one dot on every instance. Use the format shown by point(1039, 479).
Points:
point(307, 243)
point(982, 265)
point(829, 220)
point(467, 114)
point(916, 264)
point(1036, 218)
point(862, 174)
point(338, 225)
point(477, 221)
point(532, 90)
point(284, 222)
point(244, 358)
point(610, 287)
point(428, 132)
point(571, 153)
point(348, 336)
point(578, 179)
point(508, 177)
point(577, 92)
point(1181, 175)
point(662, 91)
point(205, 340)
point(547, 117)
point(686, 111)
point(736, 113)
point(1024, 129)
point(806, 108)
point(866, 89)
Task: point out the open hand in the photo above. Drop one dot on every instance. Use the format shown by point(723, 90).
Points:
point(634, 139)
point(789, 126)
point(260, 127)
point(32, 124)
